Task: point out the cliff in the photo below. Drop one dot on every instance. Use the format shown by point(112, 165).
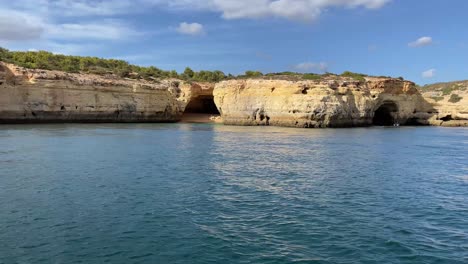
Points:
point(449, 102)
point(29, 95)
point(333, 102)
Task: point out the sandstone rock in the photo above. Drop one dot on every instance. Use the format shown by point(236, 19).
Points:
point(338, 103)
point(449, 102)
point(53, 96)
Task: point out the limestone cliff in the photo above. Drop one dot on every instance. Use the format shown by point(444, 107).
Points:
point(28, 95)
point(333, 102)
point(449, 101)
point(52, 96)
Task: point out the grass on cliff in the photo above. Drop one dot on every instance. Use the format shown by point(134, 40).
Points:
point(445, 88)
point(356, 76)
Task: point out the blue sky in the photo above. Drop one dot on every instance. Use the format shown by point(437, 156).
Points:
point(424, 41)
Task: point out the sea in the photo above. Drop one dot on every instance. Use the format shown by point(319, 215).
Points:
point(209, 193)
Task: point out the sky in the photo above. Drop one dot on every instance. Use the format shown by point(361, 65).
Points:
point(423, 41)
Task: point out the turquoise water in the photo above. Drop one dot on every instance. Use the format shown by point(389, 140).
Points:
point(197, 193)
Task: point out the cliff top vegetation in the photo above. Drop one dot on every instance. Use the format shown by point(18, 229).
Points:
point(445, 88)
point(94, 65)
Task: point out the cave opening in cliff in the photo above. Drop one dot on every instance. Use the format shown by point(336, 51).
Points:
point(200, 109)
point(385, 114)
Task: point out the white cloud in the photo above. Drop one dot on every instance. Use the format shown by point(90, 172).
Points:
point(69, 23)
point(194, 29)
point(17, 26)
point(21, 26)
point(311, 67)
point(429, 73)
point(107, 30)
point(421, 42)
point(306, 10)
point(77, 8)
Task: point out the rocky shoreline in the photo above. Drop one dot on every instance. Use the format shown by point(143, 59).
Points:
point(41, 96)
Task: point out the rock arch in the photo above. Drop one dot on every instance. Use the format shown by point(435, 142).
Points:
point(385, 114)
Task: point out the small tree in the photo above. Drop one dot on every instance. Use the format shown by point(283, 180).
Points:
point(5, 55)
point(173, 74)
point(188, 73)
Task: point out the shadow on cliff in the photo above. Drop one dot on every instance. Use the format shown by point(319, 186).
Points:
point(423, 113)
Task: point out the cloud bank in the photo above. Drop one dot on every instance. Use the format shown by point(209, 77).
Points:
point(55, 23)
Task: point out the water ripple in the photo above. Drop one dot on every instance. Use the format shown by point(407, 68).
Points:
point(199, 193)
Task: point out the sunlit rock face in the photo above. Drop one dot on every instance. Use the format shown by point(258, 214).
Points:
point(449, 103)
point(337, 102)
point(53, 96)
point(30, 96)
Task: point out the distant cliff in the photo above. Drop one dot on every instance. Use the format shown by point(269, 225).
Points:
point(450, 103)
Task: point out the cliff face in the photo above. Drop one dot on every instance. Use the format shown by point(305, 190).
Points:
point(52, 96)
point(449, 102)
point(339, 102)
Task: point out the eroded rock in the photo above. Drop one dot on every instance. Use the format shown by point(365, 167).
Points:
point(337, 103)
point(52, 96)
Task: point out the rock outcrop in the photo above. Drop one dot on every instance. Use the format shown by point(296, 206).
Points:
point(52, 96)
point(334, 102)
point(449, 103)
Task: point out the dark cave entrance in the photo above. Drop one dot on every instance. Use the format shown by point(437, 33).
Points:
point(202, 104)
point(385, 114)
point(200, 110)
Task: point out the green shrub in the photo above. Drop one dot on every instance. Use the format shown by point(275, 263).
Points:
point(438, 98)
point(5, 55)
point(49, 61)
point(209, 76)
point(253, 74)
point(455, 98)
point(356, 76)
point(449, 89)
point(311, 76)
point(288, 73)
